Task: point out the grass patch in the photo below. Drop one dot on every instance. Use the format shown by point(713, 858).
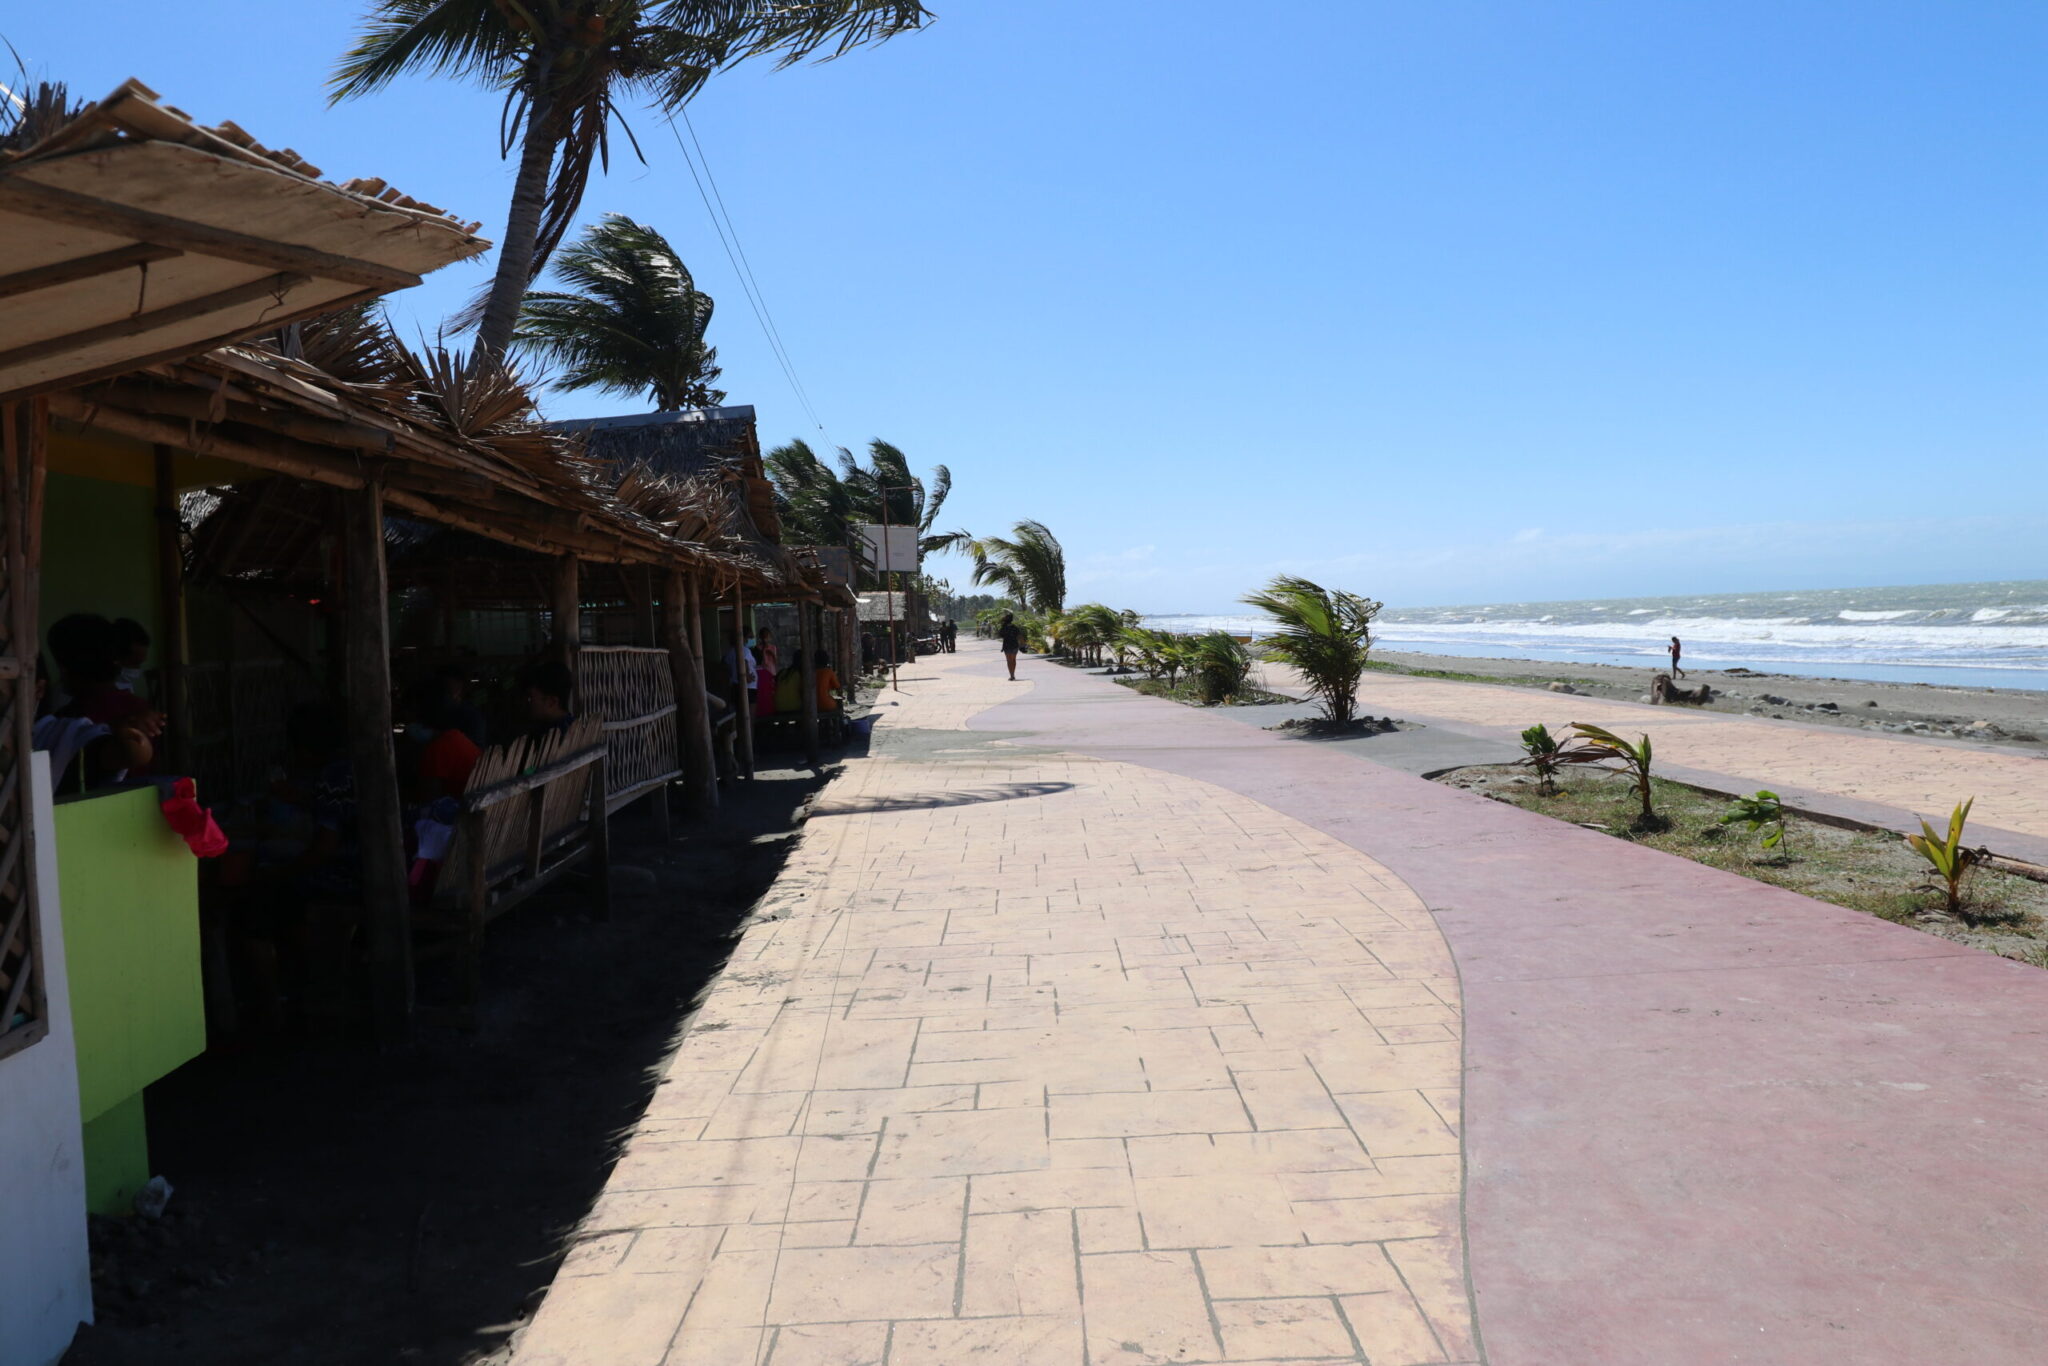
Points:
point(1457, 676)
point(1869, 871)
point(1186, 692)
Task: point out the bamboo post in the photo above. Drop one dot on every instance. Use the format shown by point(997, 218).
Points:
point(743, 722)
point(387, 919)
point(693, 713)
point(171, 650)
point(807, 645)
point(567, 609)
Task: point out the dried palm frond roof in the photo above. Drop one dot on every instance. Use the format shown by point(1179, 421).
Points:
point(452, 438)
point(131, 234)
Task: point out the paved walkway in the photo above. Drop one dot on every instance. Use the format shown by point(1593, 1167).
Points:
point(1038, 1060)
point(1104, 1030)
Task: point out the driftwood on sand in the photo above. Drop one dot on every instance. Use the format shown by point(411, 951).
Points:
point(1665, 693)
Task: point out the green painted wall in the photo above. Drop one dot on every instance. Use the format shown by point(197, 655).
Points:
point(116, 1149)
point(99, 551)
point(129, 894)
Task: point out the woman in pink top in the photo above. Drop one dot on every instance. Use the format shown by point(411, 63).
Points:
point(768, 661)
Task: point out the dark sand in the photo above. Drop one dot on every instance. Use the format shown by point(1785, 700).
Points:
point(2005, 716)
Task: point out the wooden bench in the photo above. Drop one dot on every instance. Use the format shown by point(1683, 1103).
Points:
point(532, 811)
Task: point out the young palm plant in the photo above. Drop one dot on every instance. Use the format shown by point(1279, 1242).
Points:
point(565, 67)
point(632, 320)
point(1763, 813)
point(1540, 751)
point(1220, 665)
point(1027, 565)
point(1324, 634)
point(1950, 861)
point(1598, 746)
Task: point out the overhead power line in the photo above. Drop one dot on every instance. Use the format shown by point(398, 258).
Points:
point(735, 253)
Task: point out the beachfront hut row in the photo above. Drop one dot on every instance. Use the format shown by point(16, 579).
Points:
point(198, 433)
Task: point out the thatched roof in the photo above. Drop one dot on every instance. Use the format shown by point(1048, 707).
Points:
point(129, 233)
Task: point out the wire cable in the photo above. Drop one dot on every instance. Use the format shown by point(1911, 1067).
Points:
point(728, 239)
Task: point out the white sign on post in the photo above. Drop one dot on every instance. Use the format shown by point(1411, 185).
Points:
point(899, 556)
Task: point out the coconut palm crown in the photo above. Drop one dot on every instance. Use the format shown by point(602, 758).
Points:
point(822, 505)
point(565, 67)
point(1323, 633)
point(632, 320)
point(1027, 565)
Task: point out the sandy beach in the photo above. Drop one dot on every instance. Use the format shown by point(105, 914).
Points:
point(2004, 716)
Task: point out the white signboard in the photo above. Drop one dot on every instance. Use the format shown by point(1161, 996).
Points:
point(902, 547)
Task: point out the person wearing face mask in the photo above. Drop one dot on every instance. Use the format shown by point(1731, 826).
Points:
point(131, 651)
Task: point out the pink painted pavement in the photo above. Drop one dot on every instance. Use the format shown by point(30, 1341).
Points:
point(1706, 1121)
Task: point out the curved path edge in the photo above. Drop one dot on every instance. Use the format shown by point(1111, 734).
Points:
point(1706, 1120)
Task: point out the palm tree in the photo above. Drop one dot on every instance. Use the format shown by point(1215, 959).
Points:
point(825, 505)
point(565, 66)
point(1027, 565)
point(1324, 634)
point(634, 323)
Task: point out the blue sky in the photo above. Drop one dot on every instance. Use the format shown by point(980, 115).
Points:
point(1442, 301)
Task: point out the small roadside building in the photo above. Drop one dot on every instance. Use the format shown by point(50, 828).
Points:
point(200, 433)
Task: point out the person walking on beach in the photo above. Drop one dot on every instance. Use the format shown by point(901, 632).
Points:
point(1673, 650)
point(1011, 637)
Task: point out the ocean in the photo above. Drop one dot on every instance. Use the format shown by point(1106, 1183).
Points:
point(1992, 635)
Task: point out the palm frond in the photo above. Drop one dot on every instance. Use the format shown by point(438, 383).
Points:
point(467, 39)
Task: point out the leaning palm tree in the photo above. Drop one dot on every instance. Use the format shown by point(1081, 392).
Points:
point(631, 322)
point(565, 66)
point(1027, 565)
point(811, 500)
point(824, 505)
point(1324, 634)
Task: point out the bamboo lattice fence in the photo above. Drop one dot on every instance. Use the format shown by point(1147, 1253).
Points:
point(631, 689)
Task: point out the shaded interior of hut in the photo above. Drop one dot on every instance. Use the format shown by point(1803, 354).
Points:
point(195, 629)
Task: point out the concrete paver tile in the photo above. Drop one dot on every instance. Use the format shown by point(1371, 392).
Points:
point(596, 1254)
point(1201, 1211)
point(830, 1344)
point(633, 1316)
point(689, 1207)
point(1398, 1124)
point(1435, 1271)
point(712, 1347)
point(1288, 1099)
point(1066, 1188)
point(1282, 1329)
point(1042, 1340)
point(681, 1251)
point(1145, 1307)
point(828, 1285)
point(915, 1210)
point(1109, 1230)
point(1139, 1113)
point(962, 1143)
point(1376, 1218)
point(733, 1291)
point(1318, 1269)
point(1392, 1330)
point(1019, 1264)
point(862, 1112)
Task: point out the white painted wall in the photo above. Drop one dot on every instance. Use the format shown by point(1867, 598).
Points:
point(45, 1276)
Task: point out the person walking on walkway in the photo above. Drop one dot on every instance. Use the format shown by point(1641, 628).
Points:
point(1673, 650)
point(1012, 638)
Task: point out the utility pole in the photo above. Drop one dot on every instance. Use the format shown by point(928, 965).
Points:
point(888, 553)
